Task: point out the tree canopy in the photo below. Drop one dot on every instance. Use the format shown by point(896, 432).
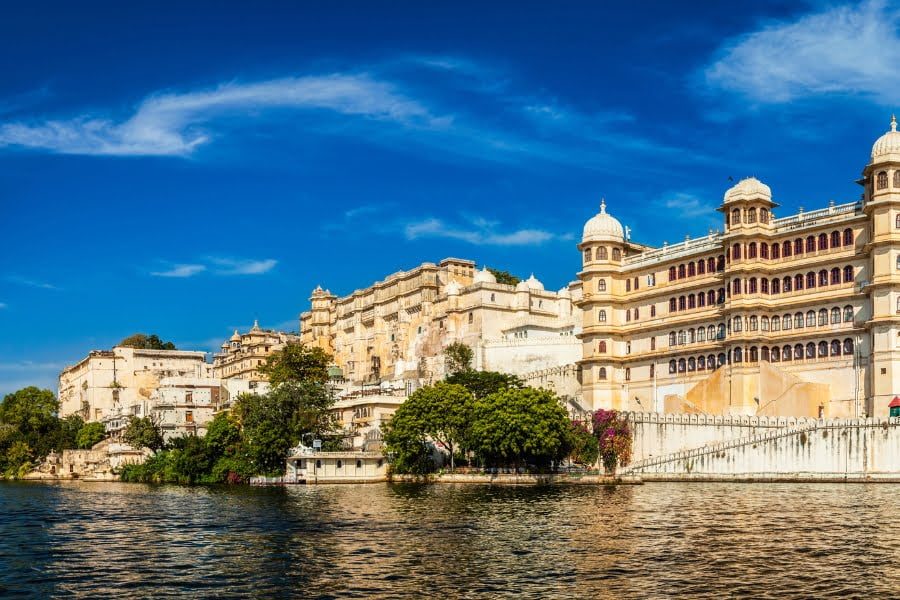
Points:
point(296, 363)
point(142, 432)
point(504, 276)
point(485, 383)
point(458, 357)
point(143, 341)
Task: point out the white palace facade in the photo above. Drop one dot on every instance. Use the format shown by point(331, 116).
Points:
point(798, 315)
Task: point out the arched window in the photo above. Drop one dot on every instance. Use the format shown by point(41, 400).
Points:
point(737, 324)
point(836, 345)
point(897, 179)
point(823, 278)
point(776, 251)
point(701, 300)
point(682, 303)
point(701, 334)
point(720, 359)
point(823, 349)
point(691, 336)
point(823, 241)
point(737, 355)
point(835, 239)
point(752, 286)
point(672, 338)
point(652, 310)
point(751, 215)
point(736, 252)
point(764, 323)
point(601, 347)
point(681, 272)
point(735, 217)
point(691, 269)
point(682, 365)
point(692, 301)
point(672, 274)
point(810, 280)
point(810, 350)
point(720, 263)
point(764, 285)
point(672, 366)
point(711, 333)
point(720, 296)
point(776, 353)
point(835, 315)
point(701, 267)
point(764, 215)
point(754, 323)
point(823, 317)
point(637, 313)
point(835, 276)
point(786, 322)
point(601, 375)
point(653, 343)
point(602, 253)
point(798, 352)
point(764, 250)
point(720, 332)
point(681, 338)
point(711, 265)
point(776, 286)
point(692, 364)
point(751, 250)
point(587, 255)
point(627, 285)
point(798, 246)
point(848, 346)
point(897, 220)
point(710, 297)
point(701, 363)
point(882, 180)
point(786, 353)
point(810, 243)
point(616, 254)
point(601, 316)
point(848, 314)
point(898, 262)
point(798, 282)
point(811, 318)
point(753, 354)
point(673, 306)
point(601, 285)
point(627, 374)
point(736, 287)
point(798, 321)
point(848, 274)
point(786, 249)
point(848, 237)
point(776, 323)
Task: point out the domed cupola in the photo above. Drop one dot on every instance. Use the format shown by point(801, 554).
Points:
point(750, 188)
point(484, 276)
point(887, 147)
point(530, 285)
point(603, 227)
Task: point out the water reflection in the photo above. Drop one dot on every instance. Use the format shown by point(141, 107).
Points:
point(656, 540)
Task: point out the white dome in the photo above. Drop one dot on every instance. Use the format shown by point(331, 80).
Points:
point(750, 188)
point(530, 284)
point(452, 289)
point(887, 144)
point(484, 276)
point(603, 227)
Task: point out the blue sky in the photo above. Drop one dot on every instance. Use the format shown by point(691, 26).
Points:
point(184, 170)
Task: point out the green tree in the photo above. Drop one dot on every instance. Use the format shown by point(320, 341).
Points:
point(296, 363)
point(484, 383)
point(143, 341)
point(442, 412)
point(142, 432)
point(585, 447)
point(68, 434)
point(222, 434)
point(31, 412)
point(519, 426)
point(504, 276)
point(458, 358)
point(90, 434)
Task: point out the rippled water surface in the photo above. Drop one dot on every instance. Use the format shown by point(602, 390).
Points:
point(655, 540)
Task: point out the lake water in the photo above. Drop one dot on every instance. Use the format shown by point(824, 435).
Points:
point(451, 541)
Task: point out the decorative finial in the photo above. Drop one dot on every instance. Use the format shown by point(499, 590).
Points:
point(602, 206)
point(893, 122)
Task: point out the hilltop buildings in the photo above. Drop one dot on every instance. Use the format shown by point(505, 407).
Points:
point(244, 353)
point(798, 315)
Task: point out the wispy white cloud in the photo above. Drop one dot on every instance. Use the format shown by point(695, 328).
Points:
point(172, 123)
point(28, 365)
point(180, 270)
point(230, 266)
point(689, 207)
point(853, 49)
point(479, 232)
point(27, 282)
point(3, 305)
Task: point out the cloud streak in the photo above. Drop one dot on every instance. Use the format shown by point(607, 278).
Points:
point(217, 266)
point(180, 271)
point(480, 232)
point(848, 50)
point(25, 281)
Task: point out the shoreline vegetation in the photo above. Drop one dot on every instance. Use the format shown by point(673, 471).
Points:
point(483, 422)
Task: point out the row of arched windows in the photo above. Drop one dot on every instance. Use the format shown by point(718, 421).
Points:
point(798, 320)
point(749, 216)
point(701, 267)
point(796, 282)
point(699, 300)
point(701, 334)
point(602, 253)
point(882, 180)
point(810, 351)
point(789, 248)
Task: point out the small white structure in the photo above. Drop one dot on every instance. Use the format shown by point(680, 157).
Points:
point(306, 465)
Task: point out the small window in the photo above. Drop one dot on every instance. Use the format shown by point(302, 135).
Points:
point(601, 316)
point(601, 285)
point(358, 464)
point(882, 180)
point(318, 464)
point(601, 374)
point(616, 254)
point(339, 464)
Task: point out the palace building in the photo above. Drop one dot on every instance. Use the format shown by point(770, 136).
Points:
point(243, 353)
point(796, 315)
